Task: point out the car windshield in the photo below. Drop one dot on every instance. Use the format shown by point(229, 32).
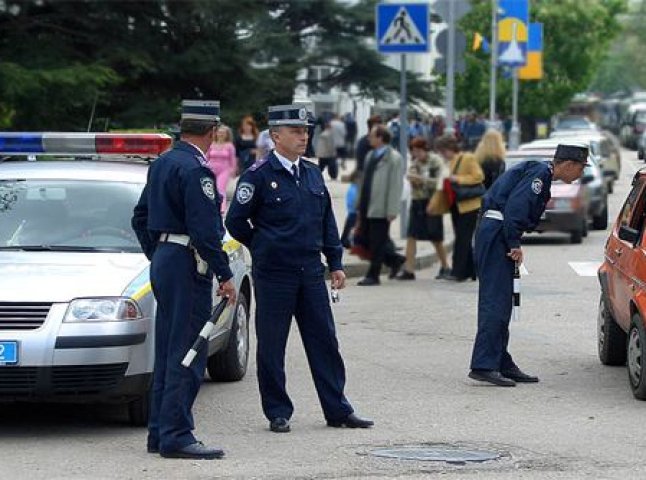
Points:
point(68, 215)
point(573, 124)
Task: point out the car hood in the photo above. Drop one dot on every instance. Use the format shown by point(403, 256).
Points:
point(63, 276)
point(564, 190)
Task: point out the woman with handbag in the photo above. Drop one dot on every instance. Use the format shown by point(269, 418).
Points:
point(462, 195)
point(423, 175)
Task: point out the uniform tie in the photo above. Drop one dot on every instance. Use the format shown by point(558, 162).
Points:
point(295, 172)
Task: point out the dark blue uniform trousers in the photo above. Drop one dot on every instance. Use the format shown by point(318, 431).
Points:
point(496, 274)
point(279, 296)
point(184, 302)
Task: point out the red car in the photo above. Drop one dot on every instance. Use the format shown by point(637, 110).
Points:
point(622, 307)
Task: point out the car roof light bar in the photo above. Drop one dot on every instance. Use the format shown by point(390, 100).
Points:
point(58, 143)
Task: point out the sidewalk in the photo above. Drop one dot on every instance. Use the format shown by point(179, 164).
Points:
point(353, 265)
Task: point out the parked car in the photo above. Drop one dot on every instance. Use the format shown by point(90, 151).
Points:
point(622, 306)
point(593, 182)
point(602, 145)
point(574, 122)
point(77, 314)
point(633, 125)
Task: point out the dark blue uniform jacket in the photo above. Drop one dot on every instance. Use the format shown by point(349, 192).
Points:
point(520, 194)
point(180, 197)
point(285, 224)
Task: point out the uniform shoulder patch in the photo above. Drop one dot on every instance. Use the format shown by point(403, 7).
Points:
point(244, 193)
point(258, 163)
point(537, 186)
point(208, 187)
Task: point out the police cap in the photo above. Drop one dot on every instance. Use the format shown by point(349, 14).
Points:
point(574, 153)
point(293, 115)
point(201, 110)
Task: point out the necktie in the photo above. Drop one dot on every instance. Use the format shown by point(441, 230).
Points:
point(295, 172)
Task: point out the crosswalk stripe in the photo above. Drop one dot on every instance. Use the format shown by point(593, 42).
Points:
point(585, 269)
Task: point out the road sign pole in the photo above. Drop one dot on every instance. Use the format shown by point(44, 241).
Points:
point(514, 134)
point(403, 138)
point(494, 57)
point(450, 71)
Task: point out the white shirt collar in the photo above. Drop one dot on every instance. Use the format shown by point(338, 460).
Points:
point(286, 162)
point(199, 150)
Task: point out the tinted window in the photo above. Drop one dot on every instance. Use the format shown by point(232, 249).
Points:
point(84, 214)
point(628, 216)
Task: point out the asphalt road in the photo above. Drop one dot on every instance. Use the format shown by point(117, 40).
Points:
point(407, 348)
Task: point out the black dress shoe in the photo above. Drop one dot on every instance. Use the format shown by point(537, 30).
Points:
point(517, 375)
point(152, 448)
point(443, 273)
point(368, 282)
point(394, 270)
point(491, 376)
point(405, 275)
point(351, 421)
point(195, 451)
point(279, 425)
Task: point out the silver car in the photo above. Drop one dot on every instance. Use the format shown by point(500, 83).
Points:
point(76, 307)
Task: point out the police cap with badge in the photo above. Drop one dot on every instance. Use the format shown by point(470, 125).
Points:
point(206, 111)
point(574, 153)
point(294, 115)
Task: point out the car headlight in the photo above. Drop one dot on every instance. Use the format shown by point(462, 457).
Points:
point(108, 309)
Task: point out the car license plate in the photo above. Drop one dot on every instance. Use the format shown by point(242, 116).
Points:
point(8, 353)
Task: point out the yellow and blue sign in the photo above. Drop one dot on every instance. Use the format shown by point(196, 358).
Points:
point(513, 32)
point(402, 28)
point(533, 69)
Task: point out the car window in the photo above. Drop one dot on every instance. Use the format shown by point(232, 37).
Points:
point(630, 216)
point(70, 214)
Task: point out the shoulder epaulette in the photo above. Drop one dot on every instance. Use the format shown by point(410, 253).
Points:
point(258, 163)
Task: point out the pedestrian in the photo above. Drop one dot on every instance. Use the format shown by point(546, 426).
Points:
point(282, 212)
point(424, 173)
point(363, 145)
point(490, 154)
point(264, 144)
point(338, 134)
point(379, 203)
point(222, 161)
point(351, 199)
point(246, 142)
point(512, 206)
point(464, 172)
point(178, 224)
point(326, 152)
point(350, 133)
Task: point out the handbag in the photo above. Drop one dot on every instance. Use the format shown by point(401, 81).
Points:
point(359, 245)
point(466, 192)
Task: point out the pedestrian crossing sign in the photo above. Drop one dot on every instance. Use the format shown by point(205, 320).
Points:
point(402, 28)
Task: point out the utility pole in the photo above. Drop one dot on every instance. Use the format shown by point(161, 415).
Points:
point(403, 137)
point(494, 61)
point(450, 71)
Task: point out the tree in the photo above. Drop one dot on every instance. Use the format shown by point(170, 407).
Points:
point(135, 60)
point(576, 36)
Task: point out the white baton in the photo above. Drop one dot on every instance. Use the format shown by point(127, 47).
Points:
point(203, 337)
point(516, 294)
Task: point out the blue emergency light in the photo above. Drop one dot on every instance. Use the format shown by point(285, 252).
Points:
point(58, 143)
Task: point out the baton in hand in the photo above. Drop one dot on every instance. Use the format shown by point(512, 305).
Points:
point(203, 337)
point(516, 294)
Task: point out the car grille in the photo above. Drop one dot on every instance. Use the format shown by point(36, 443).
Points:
point(23, 315)
point(63, 380)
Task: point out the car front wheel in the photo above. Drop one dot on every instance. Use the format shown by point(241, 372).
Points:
point(636, 358)
point(611, 339)
point(230, 365)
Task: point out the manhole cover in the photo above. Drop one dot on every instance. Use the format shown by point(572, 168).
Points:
point(435, 454)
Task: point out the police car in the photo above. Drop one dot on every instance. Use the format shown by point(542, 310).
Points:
point(76, 306)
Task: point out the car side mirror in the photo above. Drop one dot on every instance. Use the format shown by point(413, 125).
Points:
point(628, 234)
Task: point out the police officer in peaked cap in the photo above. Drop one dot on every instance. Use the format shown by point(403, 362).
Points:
point(513, 205)
point(283, 213)
point(178, 224)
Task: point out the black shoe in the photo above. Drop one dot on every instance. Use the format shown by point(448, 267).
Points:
point(195, 451)
point(491, 376)
point(351, 421)
point(405, 275)
point(453, 278)
point(152, 449)
point(517, 375)
point(279, 425)
point(394, 270)
point(368, 282)
point(443, 273)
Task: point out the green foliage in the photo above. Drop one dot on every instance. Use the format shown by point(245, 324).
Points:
point(137, 59)
point(576, 37)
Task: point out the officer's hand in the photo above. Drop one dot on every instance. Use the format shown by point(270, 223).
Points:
point(228, 289)
point(337, 279)
point(516, 254)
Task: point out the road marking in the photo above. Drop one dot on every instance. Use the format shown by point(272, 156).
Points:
point(585, 269)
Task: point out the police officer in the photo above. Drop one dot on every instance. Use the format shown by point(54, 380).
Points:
point(178, 223)
point(513, 205)
point(283, 213)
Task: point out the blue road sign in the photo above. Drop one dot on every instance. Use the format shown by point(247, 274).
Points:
point(402, 28)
